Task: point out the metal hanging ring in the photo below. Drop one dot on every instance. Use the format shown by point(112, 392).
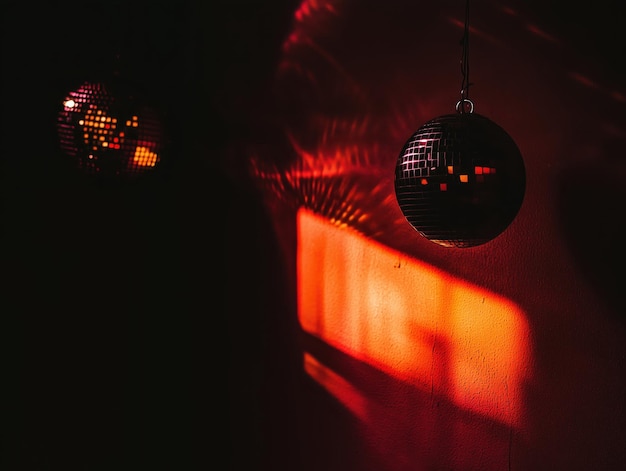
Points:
point(463, 102)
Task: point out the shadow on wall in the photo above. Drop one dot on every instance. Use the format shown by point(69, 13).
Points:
point(591, 198)
point(408, 428)
point(433, 367)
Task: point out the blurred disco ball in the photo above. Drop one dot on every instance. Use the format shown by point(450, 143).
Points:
point(460, 180)
point(109, 132)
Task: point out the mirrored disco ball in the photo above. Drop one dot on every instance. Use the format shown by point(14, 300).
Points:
point(460, 180)
point(109, 132)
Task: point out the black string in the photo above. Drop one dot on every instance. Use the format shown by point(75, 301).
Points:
point(465, 83)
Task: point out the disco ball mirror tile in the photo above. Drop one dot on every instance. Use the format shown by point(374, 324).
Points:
point(109, 133)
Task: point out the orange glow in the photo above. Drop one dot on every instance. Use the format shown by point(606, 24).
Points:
point(348, 395)
point(484, 170)
point(411, 321)
point(102, 133)
point(144, 157)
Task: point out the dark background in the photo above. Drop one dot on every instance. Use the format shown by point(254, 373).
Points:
point(116, 297)
point(109, 293)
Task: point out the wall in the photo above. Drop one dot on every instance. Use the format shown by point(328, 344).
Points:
point(387, 354)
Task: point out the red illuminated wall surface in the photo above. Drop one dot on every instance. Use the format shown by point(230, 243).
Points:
point(505, 356)
point(465, 350)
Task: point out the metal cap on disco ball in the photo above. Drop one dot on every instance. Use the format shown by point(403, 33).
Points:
point(109, 132)
point(460, 180)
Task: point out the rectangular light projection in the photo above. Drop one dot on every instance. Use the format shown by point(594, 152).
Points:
point(411, 321)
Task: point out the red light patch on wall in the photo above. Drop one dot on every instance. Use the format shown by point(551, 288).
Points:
point(411, 321)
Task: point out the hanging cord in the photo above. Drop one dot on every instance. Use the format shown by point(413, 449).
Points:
point(465, 104)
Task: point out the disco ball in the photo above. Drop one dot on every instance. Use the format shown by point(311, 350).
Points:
point(110, 132)
point(460, 180)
